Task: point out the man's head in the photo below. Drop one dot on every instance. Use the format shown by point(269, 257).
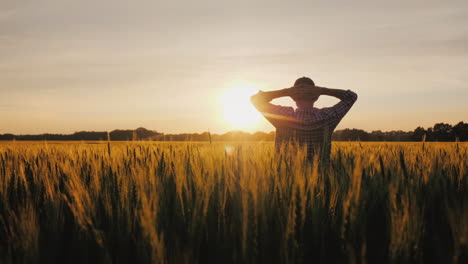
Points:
point(304, 81)
point(304, 100)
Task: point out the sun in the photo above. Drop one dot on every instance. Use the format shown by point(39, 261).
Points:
point(238, 112)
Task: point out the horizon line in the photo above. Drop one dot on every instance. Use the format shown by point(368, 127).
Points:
point(206, 131)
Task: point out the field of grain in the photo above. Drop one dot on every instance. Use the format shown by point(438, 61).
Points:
point(140, 202)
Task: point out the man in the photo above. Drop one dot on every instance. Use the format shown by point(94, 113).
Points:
point(306, 125)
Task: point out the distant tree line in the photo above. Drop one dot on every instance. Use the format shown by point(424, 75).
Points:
point(439, 132)
point(206, 136)
point(143, 134)
point(116, 135)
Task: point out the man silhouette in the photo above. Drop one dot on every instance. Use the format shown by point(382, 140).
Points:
point(306, 125)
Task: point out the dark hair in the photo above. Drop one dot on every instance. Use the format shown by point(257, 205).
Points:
point(304, 80)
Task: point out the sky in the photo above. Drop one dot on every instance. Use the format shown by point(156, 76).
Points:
point(170, 66)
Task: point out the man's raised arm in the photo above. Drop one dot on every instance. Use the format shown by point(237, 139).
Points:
point(261, 100)
point(347, 98)
point(338, 93)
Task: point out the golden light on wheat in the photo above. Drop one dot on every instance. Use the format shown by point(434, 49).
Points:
point(231, 202)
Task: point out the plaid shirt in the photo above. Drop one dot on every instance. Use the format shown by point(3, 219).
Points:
point(313, 127)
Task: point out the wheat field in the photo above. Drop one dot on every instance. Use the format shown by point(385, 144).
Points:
point(145, 202)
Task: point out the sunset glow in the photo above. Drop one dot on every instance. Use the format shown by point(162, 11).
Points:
point(180, 66)
point(238, 112)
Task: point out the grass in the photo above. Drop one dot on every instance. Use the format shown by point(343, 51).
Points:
point(231, 203)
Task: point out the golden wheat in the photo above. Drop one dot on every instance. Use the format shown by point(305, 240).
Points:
point(232, 202)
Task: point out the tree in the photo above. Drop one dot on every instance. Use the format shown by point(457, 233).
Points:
point(443, 132)
point(460, 131)
point(418, 134)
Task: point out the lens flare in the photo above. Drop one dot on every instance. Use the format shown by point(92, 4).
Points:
point(229, 150)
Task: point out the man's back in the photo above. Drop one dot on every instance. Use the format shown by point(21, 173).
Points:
point(308, 126)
